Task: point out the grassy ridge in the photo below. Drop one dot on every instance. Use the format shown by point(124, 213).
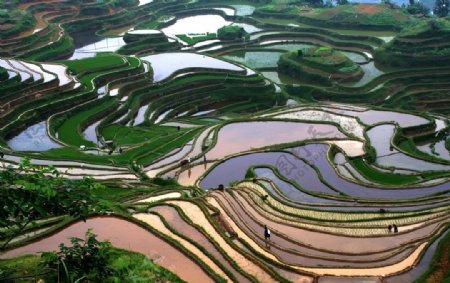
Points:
point(92, 64)
point(194, 39)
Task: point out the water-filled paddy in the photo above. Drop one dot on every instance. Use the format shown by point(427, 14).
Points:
point(235, 168)
point(255, 59)
point(140, 117)
point(328, 205)
point(317, 155)
point(174, 220)
point(33, 138)
point(372, 117)
point(39, 73)
point(99, 45)
point(380, 138)
point(165, 64)
point(227, 11)
point(162, 116)
point(243, 10)
point(290, 46)
point(199, 24)
point(90, 133)
point(143, 2)
point(261, 134)
point(136, 239)
point(438, 149)
point(280, 78)
point(420, 267)
point(335, 243)
point(370, 72)
point(60, 71)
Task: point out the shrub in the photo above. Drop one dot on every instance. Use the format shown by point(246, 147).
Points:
point(3, 74)
point(29, 193)
point(84, 261)
point(231, 32)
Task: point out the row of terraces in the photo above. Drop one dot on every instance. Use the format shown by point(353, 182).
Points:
point(141, 121)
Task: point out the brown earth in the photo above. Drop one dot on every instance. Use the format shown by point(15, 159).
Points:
point(442, 267)
point(368, 9)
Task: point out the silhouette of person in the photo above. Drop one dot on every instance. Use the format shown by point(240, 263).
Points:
point(266, 233)
point(267, 236)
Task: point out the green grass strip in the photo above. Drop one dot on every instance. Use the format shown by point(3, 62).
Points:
point(380, 177)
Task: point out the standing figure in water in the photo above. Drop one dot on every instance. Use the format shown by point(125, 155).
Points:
point(266, 233)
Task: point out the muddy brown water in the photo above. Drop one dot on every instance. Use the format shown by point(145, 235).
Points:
point(175, 221)
point(261, 134)
point(293, 253)
point(342, 244)
point(122, 234)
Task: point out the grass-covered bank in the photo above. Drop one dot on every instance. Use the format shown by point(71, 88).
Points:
point(124, 266)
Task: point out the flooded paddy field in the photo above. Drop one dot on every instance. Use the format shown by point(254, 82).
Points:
point(182, 132)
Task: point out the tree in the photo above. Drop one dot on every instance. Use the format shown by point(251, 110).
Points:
point(441, 8)
point(85, 260)
point(342, 2)
point(316, 3)
point(230, 32)
point(417, 8)
point(32, 192)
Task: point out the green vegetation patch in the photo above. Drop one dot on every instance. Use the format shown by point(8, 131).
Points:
point(123, 135)
point(26, 197)
point(430, 38)
point(230, 32)
point(380, 15)
point(381, 177)
point(93, 64)
point(193, 39)
point(64, 46)
point(439, 270)
point(13, 22)
point(3, 74)
point(69, 131)
point(323, 58)
point(434, 27)
point(319, 64)
point(154, 24)
point(119, 266)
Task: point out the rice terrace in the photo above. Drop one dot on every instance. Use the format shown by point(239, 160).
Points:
point(225, 141)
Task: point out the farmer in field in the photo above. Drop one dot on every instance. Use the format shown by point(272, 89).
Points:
point(266, 233)
point(267, 236)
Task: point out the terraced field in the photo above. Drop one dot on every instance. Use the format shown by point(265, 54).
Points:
point(195, 144)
